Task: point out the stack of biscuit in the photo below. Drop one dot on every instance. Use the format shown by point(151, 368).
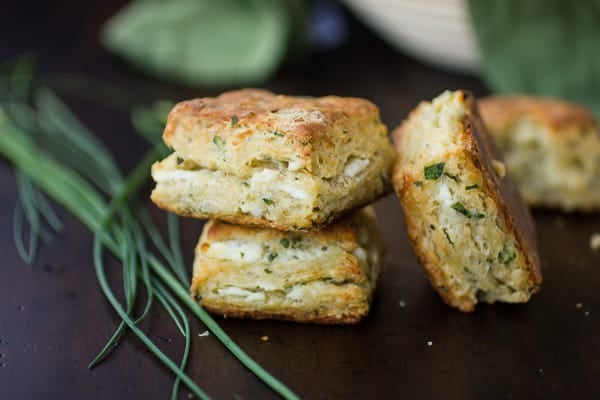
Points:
point(280, 179)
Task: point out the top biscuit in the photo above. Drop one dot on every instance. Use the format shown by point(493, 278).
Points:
point(255, 158)
point(237, 130)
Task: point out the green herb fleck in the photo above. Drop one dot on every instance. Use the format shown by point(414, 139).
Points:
point(246, 184)
point(242, 254)
point(218, 141)
point(453, 177)
point(448, 236)
point(506, 255)
point(418, 184)
point(278, 133)
point(268, 201)
point(432, 227)
point(461, 209)
point(179, 160)
point(234, 120)
point(324, 248)
point(470, 187)
point(268, 271)
point(434, 171)
point(285, 242)
point(272, 256)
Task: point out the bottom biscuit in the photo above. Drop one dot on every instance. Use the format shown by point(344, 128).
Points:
point(325, 276)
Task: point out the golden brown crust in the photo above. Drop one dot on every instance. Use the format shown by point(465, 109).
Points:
point(311, 317)
point(504, 191)
point(240, 128)
point(342, 233)
point(469, 157)
point(502, 111)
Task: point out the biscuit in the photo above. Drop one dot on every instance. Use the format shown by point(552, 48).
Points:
point(468, 226)
point(292, 163)
point(325, 276)
point(551, 148)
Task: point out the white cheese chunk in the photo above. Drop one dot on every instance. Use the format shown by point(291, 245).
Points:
point(355, 165)
point(235, 250)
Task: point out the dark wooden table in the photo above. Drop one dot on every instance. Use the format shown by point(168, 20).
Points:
point(54, 318)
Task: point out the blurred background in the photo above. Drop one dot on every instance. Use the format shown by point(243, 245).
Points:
point(106, 58)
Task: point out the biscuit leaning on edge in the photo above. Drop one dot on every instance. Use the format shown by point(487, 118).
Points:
point(468, 226)
point(255, 158)
point(325, 276)
point(551, 148)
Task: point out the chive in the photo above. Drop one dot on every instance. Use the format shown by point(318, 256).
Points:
point(272, 256)
point(285, 242)
point(448, 236)
point(470, 187)
point(183, 295)
point(268, 271)
point(178, 265)
point(118, 227)
point(461, 209)
point(99, 265)
point(234, 120)
point(453, 177)
point(218, 141)
point(242, 254)
point(278, 133)
point(506, 255)
point(434, 171)
point(246, 184)
point(268, 201)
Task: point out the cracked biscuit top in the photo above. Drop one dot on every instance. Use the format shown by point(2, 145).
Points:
point(240, 130)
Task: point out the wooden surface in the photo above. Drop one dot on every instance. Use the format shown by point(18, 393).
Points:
point(53, 317)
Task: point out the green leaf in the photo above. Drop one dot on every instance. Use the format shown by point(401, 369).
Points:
point(434, 171)
point(544, 47)
point(201, 42)
point(218, 141)
point(461, 209)
point(506, 255)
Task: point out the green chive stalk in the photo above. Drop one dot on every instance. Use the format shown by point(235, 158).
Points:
point(47, 146)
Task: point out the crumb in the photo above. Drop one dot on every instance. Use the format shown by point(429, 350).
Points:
point(402, 304)
point(595, 241)
point(429, 343)
point(264, 338)
point(203, 334)
point(578, 305)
